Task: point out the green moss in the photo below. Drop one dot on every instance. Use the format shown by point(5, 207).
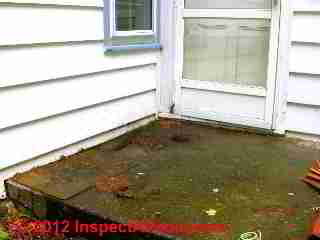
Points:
point(254, 174)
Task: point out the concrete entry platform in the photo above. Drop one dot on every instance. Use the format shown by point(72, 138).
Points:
point(174, 172)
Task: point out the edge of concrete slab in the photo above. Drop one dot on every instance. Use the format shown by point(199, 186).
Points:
point(72, 149)
point(46, 207)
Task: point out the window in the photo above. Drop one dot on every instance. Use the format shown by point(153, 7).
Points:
point(131, 24)
point(134, 17)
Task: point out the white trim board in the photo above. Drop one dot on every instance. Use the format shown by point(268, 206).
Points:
point(281, 89)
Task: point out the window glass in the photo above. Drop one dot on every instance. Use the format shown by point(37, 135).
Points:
point(133, 15)
point(241, 4)
point(233, 51)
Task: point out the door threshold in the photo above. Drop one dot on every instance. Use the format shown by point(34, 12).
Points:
point(224, 125)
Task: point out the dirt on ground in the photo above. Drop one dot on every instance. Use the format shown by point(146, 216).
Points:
point(16, 224)
point(112, 184)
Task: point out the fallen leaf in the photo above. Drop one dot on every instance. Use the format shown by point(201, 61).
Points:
point(211, 212)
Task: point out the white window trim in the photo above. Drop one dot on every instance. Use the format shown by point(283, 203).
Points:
point(113, 28)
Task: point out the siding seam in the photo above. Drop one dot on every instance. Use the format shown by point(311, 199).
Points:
point(76, 76)
point(76, 110)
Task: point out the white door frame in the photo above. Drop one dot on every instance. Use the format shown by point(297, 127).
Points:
point(278, 58)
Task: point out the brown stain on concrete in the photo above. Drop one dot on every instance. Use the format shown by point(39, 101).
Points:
point(172, 181)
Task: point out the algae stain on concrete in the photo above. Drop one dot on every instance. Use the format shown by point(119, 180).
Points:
point(254, 175)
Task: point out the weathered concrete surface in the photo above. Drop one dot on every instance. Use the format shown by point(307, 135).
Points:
point(178, 171)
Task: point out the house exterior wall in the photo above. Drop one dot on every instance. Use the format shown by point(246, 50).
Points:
point(59, 93)
point(58, 89)
point(303, 108)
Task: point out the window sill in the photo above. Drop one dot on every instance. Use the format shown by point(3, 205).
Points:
point(132, 47)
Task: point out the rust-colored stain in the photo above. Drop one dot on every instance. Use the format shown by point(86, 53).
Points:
point(169, 124)
point(145, 141)
point(112, 184)
point(275, 211)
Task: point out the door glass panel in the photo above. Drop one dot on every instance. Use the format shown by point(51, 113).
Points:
point(218, 4)
point(231, 51)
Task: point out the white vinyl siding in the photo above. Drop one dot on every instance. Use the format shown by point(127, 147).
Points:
point(303, 113)
point(77, 3)
point(57, 87)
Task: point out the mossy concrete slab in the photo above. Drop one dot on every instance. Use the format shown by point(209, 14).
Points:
point(177, 172)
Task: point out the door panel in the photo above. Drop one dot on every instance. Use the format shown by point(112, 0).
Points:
point(253, 53)
point(233, 51)
point(226, 60)
point(225, 4)
point(204, 101)
point(207, 46)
